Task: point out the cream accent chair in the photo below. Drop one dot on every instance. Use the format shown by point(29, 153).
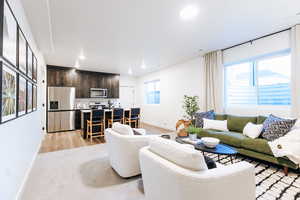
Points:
point(123, 148)
point(179, 177)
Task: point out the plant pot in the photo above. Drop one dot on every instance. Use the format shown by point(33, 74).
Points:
point(193, 136)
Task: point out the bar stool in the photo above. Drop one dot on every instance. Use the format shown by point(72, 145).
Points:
point(133, 117)
point(95, 126)
point(116, 116)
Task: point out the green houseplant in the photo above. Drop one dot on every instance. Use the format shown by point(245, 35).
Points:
point(193, 132)
point(190, 106)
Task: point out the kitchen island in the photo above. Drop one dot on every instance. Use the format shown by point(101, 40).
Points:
point(85, 115)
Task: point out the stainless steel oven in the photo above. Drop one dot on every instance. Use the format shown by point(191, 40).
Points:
point(98, 93)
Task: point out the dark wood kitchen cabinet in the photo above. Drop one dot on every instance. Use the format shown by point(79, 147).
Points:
point(83, 80)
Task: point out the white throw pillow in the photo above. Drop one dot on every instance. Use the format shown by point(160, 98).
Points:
point(215, 124)
point(252, 130)
point(181, 155)
point(122, 129)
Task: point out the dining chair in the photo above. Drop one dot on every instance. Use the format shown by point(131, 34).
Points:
point(95, 125)
point(117, 115)
point(133, 117)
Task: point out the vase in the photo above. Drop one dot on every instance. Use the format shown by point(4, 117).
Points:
point(193, 136)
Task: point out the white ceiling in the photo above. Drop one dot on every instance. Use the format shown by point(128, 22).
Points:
point(116, 35)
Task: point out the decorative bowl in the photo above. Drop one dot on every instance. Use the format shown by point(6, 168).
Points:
point(210, 142)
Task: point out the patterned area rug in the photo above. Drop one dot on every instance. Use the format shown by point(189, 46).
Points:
point(271, 183)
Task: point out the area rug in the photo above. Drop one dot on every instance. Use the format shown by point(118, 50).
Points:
point(271, 183)
point(85, 173)
point(78, 174)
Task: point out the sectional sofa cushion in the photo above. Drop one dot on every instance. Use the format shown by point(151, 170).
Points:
point(278, 129)
point(200, 115)
point(237, 123)
point(258, 145)
point(261, 119)
point(228, 137)
point(220, 116)
point(179, 154)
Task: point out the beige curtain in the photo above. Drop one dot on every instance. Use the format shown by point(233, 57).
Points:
point(213, 82)
point(295, 71)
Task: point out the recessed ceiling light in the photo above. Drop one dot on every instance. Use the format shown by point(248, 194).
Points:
point(130, 71)
point(77, 65)
point(189, 12)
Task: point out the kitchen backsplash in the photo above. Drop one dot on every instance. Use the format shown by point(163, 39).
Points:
point(85, 103)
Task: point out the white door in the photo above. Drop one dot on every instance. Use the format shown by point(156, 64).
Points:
point(127, 96)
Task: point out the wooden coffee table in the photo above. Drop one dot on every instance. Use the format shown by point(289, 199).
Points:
point(220, 149)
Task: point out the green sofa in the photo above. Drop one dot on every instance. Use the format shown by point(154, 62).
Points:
point(256, 148)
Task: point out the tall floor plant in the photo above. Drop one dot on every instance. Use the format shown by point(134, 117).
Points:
point(190, 106)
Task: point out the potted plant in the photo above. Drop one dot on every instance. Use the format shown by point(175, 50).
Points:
point(193, 131)
point(190, 106)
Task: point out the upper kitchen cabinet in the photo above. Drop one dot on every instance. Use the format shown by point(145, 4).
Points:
point(83, 81)
point(61, 77)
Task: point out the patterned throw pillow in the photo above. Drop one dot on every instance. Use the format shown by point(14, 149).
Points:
point(278, 129)
point(271, 119)
point(200, 115)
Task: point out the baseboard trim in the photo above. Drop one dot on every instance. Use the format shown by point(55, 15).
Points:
point(20, 192)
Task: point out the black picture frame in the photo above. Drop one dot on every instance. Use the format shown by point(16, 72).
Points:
point(22, 52)
point(29, 62)
point(9, 35)
point(34, 98)
point(22, 95)
point(35, 67)
point(29, 97)
point(8, 93)
point(22, 69)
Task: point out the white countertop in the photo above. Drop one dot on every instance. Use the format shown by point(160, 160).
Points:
point(105, 110)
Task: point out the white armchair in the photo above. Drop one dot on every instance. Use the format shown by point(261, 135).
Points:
point(123, 149)
point(166, 180)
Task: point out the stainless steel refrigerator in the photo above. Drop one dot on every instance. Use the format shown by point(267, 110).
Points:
point(61, 113)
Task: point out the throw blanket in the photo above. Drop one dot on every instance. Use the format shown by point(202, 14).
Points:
point(288, 145)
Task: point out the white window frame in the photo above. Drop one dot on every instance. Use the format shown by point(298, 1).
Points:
point(146, 92)
point(255, 108)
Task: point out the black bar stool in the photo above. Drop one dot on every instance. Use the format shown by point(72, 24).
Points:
point(95, 126)
point(116, 116)
point(133, 117)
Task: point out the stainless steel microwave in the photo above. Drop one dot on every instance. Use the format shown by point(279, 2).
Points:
point(98, 93)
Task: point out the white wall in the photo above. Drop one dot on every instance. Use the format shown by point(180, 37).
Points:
point(20, 138)
point(175, 82)
point(128, 81)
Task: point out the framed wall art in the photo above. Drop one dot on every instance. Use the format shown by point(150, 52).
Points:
point(34, 98)
point(34, 73)
point(22, 95)
point(9, 36)
point(29, 62)
point(29, 97)
point(9, 93)
point(18, 68)
point(22, 52)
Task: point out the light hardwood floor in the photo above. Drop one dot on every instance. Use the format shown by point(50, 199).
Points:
point(72, 139)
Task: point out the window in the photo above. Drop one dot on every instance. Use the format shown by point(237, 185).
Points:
point(152, 92)
point(264, 81)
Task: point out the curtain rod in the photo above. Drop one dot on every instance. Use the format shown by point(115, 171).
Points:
point(250, 41)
